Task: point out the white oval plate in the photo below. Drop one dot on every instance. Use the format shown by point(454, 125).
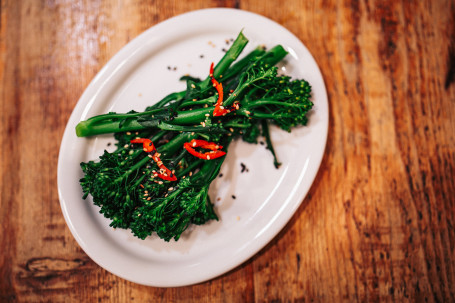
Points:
point(143, 72)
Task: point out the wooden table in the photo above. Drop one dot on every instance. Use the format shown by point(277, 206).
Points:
point(378, 222)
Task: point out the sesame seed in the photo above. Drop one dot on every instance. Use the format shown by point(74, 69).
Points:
point(149, 198)
point(160, 182)
point(170, 189)
point(125, 146)
point(190, 174)
point(193, 86)
point(208, 157)
point(128, 133)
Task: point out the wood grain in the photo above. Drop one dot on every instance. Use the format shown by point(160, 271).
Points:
point(378, 222)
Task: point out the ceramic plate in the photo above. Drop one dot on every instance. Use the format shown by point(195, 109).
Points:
point(253, 200)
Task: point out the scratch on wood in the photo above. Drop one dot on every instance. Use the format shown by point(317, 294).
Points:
point(36, 265)
point(38, 271)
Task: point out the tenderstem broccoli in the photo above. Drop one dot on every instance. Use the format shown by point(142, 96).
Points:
point(126, 184)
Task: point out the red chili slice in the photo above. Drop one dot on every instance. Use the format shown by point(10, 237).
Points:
point(214, 148)
point(218, 111)
point(150, 148)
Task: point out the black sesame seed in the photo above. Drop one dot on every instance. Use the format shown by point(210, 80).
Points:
point(244, 168)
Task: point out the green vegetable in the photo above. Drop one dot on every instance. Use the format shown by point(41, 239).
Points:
point(124, 183)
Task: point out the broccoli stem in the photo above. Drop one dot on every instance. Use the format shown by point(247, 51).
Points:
point(268, 140)
point(112, 122)
point(270, 58)
point(229, 57)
